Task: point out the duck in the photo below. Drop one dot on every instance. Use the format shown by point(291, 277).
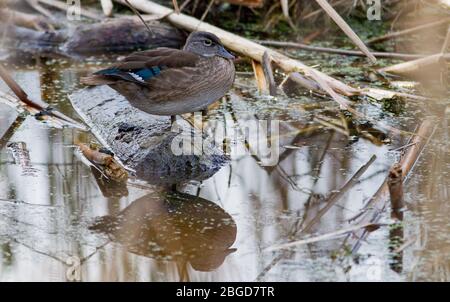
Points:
point(169, 81)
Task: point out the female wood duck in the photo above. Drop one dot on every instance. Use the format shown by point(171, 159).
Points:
point(166, 81)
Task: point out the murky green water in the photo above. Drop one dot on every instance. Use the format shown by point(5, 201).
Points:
point(59, 222)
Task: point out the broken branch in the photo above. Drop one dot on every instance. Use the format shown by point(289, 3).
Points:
point(39, 106)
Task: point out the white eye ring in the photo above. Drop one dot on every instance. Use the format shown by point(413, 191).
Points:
point(207, 42)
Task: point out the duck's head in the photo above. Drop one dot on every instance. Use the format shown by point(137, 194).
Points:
point(207, 45)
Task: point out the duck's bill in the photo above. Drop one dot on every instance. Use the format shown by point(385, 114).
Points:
point(225, 53)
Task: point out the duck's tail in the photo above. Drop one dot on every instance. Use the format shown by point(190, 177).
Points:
point(96, 80)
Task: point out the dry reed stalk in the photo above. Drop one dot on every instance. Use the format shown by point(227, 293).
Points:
point(389, 55)
point(319, 11)
point(261, 81)
point(285, 8)
point(37, 7)
point(346, 28)
point(175, 6)
point(323, 237)
point(268, 74)
point(416, 66)
point(408, 31)
point(11, 129)
point(107, 7)
point(446, 43)
point(26, 20)
point(377, 204)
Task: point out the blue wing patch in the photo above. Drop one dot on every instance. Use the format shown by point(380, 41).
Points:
point(144, 74)
point(148, 73)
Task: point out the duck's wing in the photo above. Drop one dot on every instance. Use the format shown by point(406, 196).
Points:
point(140, 67)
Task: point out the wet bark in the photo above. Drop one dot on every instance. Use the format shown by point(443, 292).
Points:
point(143, 142)
point(123, 35)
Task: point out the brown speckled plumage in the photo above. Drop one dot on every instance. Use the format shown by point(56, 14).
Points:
point(189, 80)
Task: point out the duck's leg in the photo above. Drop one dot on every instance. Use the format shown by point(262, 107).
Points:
point(173, 187)
point(204, 116)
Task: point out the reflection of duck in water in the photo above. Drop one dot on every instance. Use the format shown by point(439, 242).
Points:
point(173, 226)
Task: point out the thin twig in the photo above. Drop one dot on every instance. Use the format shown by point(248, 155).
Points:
point(319, 238)
point(389, 55)
point(36, 6)
point(11, 130)
point(346, 28)
point(408, 31)
point(405, 245)
point(23, 97)
point(446, 42)
point(336, 196)
point(175, 6)
point(205, 13)
point(331, 201)
point(135, 11)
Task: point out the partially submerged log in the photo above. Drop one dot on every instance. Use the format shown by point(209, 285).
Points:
point(122, 35)
point(143, 142)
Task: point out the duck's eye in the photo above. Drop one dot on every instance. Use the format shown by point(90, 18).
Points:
point(207, 42)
